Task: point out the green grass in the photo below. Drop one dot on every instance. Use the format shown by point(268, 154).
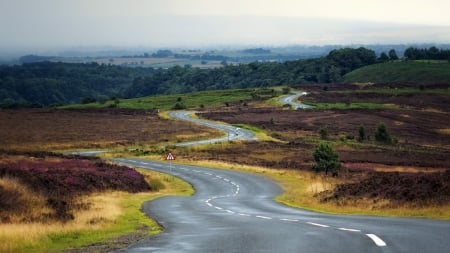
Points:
point(188, 100)
point(420, 72)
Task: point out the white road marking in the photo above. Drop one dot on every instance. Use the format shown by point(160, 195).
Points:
point(289, 220)
point(349, 229)
point(376, 240)
point(317, 225)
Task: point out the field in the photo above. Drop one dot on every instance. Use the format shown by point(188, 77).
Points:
point(195, 100)
point(51, 129)
point(407, 177)
point(417, 72)
point(418, 154)
point(52, 202)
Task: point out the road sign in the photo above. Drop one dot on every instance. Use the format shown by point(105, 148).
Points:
point(170, 156)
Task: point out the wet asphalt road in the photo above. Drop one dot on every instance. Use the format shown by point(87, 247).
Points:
point(231, 132)
point(234, 212)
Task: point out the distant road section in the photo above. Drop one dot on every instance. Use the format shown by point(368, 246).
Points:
point(290, 100)
point(232, 132)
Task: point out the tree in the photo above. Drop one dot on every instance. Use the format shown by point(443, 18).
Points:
point(324, 132)
point(326, 159)
point(382, 135)
point(393, 55)
point(383, 57)
point(362, 133)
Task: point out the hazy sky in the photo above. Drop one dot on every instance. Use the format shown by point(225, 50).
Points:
point(34, 24)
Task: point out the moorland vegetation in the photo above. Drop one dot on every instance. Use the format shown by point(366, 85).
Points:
point(389, 142)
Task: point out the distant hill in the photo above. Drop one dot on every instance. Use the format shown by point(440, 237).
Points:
point(420, 72)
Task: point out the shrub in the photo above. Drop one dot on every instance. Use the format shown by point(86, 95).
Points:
point(323, 133)
point(362, 133)
point(382, 135)
point(327, 159)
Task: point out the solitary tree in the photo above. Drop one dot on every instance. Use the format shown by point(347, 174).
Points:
point(393, 55)
point(362, 133)
point(383, 57)
point(382, 135)
point(326, 159)
point(324, 132)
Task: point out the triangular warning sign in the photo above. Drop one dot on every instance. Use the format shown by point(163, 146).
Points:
point(170, 156)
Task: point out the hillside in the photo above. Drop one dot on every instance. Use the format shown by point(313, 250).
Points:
point(49, 84)
point(420, 72)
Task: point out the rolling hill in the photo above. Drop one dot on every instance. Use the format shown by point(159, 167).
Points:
point(415, 72)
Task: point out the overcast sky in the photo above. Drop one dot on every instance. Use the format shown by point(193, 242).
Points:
point(47, 24)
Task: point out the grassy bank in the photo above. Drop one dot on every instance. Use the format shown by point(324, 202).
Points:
point(110, 215)
point(193, 100)
point(419, 72)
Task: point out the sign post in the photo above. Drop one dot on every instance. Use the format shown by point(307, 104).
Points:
point(170, 157)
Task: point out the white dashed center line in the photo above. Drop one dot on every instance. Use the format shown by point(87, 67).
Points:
point(292, 220)
point(263, 217)
point(349, 229)
point(376, 240)
point(318, 225)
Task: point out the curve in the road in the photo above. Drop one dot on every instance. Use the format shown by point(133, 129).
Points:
point(232, 132)
point(235, 212)
point(290, 100)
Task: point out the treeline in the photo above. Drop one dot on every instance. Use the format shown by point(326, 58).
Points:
point(432, 53)
point(47, 83)
point(321, 70)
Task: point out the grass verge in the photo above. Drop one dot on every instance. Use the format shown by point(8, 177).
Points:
point(110, 215)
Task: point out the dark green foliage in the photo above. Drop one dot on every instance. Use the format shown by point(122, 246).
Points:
point(323, 133)
point(382, 135)
point(48, 83)
point(179, 106)
point(393, 55)
point(349, 59)
point(383, 57)
point(362, 133)
point(432, 53)
point(326, 159)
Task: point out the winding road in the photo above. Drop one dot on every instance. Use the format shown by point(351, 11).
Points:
point(232, 133)
point(290, 100)
point(233, 211)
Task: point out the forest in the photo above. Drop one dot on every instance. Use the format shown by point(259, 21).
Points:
point(44, 84)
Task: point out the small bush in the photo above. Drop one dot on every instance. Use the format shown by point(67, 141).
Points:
point(382, 135)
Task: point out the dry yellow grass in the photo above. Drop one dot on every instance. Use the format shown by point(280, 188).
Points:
point(102, 220)
point(104, 210)
point(20, 201)
point(444, 131)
